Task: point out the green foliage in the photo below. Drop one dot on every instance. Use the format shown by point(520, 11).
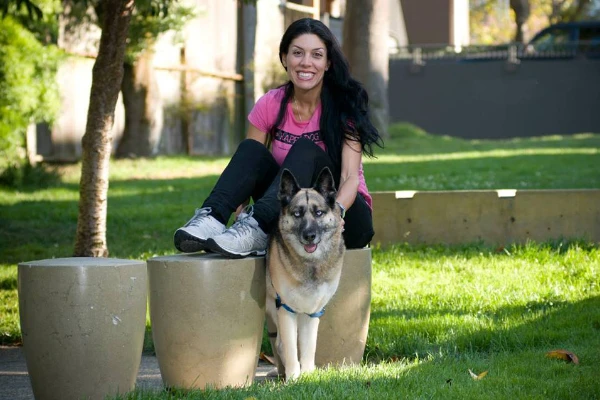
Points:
point(28, 88)
point(150, 20)
point(492, 22)
point(43, 25)
point(17, 6)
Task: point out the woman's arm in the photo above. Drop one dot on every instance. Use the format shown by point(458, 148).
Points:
point(256, 134)
point(351, 157)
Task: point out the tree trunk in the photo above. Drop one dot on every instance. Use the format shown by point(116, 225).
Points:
point(143, 109)
point(107, 74)
point(522, 10)
point(365, 33)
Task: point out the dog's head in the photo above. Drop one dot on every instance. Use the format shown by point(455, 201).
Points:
point(309, 219)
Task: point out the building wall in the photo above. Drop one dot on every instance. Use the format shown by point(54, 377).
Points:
point(427, 21)
point(209, 41)
point(436, 21)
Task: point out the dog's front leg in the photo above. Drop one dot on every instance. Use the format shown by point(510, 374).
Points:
point(287, 338)
point(307, 339)
point(271, 315)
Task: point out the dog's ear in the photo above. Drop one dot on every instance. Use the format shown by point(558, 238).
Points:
point(325, 185)
point(288, 187)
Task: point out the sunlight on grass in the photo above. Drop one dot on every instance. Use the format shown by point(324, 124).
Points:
point(454, 301)
point(159, 168)
point(391, 158)
point(10, 330)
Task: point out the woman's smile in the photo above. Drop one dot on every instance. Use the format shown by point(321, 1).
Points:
point(305, 75)
point(306, 62)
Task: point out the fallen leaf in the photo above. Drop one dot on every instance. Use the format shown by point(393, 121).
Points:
point(267, 358)
point(477, 377)
point(563, 355)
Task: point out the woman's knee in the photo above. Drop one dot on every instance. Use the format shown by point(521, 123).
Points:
point(359, 239)
point(305, 153)
point(303, 145)
point(251, 145)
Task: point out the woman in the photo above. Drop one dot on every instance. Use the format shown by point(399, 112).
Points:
point(318, 118)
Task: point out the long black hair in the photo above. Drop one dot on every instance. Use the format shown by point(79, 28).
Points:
point(344, 100)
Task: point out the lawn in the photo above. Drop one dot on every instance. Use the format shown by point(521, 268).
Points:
point(437, 311)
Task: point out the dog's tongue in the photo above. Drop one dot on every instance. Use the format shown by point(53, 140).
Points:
point(310, 248)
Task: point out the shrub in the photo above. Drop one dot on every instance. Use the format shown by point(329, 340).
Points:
point(22, 175)
point(28, 87)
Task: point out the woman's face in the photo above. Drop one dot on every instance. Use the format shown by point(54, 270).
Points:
point(306, 62)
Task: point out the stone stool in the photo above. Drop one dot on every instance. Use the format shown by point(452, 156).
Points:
point(344, 326)
point(83, 322)
point(207, 316)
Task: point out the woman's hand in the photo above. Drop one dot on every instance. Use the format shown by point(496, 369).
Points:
point(241, 207)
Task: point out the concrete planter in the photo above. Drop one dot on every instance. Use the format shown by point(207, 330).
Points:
point(207, 317)
point(344, 327)
point(83, 323)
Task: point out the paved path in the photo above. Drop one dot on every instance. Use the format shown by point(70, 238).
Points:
point(15, 385)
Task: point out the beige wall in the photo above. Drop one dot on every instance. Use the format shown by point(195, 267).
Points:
point(269, 29)
point(492, 217)
point(210, 43)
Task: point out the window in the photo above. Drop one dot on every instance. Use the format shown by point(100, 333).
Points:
point(554, 39)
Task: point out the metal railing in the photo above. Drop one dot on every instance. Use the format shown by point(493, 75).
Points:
point(512, 53)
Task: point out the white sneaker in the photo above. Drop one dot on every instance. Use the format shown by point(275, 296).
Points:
point(193, 235)
point(243, 238)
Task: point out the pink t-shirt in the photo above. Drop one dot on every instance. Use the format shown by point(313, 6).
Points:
point(263, 116)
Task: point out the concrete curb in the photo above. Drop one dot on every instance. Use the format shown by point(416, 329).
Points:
point(15, 384)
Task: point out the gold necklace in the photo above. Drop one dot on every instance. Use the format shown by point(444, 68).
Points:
point(296, 109)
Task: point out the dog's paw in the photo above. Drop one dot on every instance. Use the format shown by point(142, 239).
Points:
point(310, 367)
point(292, 372)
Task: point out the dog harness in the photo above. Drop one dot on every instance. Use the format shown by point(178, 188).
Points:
point(279, 304)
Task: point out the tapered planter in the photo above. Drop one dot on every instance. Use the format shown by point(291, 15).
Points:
point(207, 314)
point(82, 323)
point(344, 327)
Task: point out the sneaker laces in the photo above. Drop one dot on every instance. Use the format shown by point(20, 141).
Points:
point(199, 215)
point(242, 224)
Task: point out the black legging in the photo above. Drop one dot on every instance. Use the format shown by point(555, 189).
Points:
point(253, 172)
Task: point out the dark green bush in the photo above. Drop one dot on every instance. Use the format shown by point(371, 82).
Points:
point(22, 175)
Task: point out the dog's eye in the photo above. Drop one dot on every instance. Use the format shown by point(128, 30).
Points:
point(297, 214)
point(318, 213)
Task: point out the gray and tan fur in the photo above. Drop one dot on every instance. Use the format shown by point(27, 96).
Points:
point(304, 264)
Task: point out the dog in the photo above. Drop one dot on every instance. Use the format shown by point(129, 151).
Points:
point(304, 263)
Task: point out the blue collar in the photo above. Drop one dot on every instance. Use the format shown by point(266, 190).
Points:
point(279, 304)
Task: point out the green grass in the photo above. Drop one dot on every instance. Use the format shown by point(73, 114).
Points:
point(436, 311)
point(439, 311)
point(414, 160)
